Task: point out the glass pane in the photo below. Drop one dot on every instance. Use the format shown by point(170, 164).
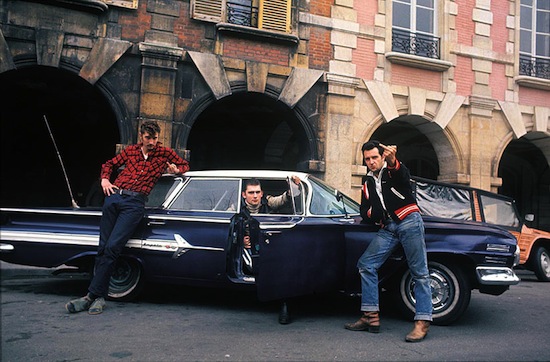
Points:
point(527, 2)
point(543, 45)
point(401, 15)
point(543, 22)
point(443, 201)
point(324, 202)
point(525, 41)
point(162, 190)
point(426, 3)
point(543, 4)
point(499, 212)
point(208, 195)
point(424, 20)
point(526, 21)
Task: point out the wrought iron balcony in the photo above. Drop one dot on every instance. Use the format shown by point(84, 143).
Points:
point(417, 44)
point(241, 12)
point(534, 67)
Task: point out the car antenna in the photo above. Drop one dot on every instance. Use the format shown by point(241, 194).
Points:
point(73, 202)
point(340, 197)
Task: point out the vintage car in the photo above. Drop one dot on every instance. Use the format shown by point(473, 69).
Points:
point(467, 203)
point(192, 235)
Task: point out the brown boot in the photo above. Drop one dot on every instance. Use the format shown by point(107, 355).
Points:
point(370, 321)
point(419, 331)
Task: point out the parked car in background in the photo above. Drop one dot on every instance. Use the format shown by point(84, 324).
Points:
point(193, 229)
point(470, 204)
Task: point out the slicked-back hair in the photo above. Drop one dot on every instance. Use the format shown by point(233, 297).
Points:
point(150, 127)
point(252, 182)
point(372, 144)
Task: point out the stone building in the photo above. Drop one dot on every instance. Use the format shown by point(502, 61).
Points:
point(461, 86)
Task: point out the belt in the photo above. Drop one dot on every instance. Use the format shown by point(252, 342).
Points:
point(130, 193)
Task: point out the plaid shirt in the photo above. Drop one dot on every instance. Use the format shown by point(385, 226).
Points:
point(140, 174)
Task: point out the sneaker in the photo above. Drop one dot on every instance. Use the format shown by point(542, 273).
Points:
point(78, 305)
point(97, 306)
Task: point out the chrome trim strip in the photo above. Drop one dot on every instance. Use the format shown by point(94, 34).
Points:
point(187, 218)
point(53, 212)
point(58, 238)
point(6, 248)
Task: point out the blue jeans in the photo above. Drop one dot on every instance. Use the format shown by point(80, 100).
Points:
point(121, 216)
point(410, 233)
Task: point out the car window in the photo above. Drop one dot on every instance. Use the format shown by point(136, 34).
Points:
point(208, 195)
point(499, 212)
point(163, 188)
point(324, 202)
point(277, 187)
point(443, 201)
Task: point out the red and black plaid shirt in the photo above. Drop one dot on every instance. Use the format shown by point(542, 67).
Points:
point(140, 174)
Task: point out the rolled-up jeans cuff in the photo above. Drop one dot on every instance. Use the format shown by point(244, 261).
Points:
point(423, 317)
point(370, 308)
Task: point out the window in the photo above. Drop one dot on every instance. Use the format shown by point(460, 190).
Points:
point(273, 15)
point(324, 201)
point(499, 212)
point(414, 28)
point(443, 201)
point(208, 195)
point(534, 58)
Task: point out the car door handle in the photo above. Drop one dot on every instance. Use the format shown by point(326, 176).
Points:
point(347, 221)
point(156, 223)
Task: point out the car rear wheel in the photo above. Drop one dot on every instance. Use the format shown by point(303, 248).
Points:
point(541, 265)
point(451, 293)
point(127, 280)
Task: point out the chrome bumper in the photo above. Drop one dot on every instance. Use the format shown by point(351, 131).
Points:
point(494, 275)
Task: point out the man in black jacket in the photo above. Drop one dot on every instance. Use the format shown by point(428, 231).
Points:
point(387, 200)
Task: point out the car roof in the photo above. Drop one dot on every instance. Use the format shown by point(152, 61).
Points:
point(246, 173)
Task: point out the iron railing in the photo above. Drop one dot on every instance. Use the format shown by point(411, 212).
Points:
point(534, 67)
point(417, 44)
point(241, 12)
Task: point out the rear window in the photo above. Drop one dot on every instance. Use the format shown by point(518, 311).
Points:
point(443, 201)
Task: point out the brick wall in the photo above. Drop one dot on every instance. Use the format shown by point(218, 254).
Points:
point(426, 79)
point(252, 50)
point(533, 97)
point(499, 32)
point(135, 23)
point(464, 22)
point(365, 58)
point(319, 49)
point(498, 81)
point(464, 76)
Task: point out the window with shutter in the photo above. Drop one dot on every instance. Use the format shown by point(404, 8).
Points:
point(274, 15)
point(208, 10)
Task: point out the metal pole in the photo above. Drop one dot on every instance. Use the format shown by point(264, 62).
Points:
point(73, 202)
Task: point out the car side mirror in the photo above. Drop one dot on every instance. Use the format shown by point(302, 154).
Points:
point(530, 217)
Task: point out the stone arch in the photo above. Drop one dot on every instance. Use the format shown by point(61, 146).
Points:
point(87, 122)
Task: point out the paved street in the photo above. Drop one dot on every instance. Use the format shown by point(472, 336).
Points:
point(177, 324)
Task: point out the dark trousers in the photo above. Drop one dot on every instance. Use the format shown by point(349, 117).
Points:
point(121, 216)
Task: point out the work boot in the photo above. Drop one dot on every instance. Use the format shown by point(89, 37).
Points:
point(78, 305)
point(369, 321)
point(97, 306)
point(419, 331)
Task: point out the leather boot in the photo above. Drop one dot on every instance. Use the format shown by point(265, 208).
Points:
point(369, 321)
point(419, 331)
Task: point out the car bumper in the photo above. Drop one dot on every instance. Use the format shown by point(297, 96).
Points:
point(491, 275)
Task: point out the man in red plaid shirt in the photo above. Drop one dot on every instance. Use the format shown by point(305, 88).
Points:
point(124, 206)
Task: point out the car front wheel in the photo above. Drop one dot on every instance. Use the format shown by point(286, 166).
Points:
point(127, 280)
point(542, 264)
point(451, 293)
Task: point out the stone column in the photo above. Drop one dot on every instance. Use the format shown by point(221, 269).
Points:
point(158, 79)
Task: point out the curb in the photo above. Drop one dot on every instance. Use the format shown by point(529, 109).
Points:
point(14, 270)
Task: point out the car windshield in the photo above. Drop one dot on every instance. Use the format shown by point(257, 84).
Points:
point(324, 201)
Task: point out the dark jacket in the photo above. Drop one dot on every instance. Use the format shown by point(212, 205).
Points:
point(397, 193)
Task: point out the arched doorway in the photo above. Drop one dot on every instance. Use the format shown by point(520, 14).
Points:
point(525, 177)
point(248, 131)
point(414, 148)
point(82, 123)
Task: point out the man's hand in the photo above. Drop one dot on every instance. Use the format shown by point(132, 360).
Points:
point(108, 187)
point(172, 168)
point(389, 154)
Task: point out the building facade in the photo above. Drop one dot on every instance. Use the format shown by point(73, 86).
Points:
point(462, 87)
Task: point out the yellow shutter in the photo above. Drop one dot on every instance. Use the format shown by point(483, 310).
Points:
point(208, 10)
point(275, 15)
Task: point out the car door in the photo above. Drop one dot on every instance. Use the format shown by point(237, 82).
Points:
point(186, 239)
point(299, 255)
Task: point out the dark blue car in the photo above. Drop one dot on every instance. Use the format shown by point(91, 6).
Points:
point(192, 235)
